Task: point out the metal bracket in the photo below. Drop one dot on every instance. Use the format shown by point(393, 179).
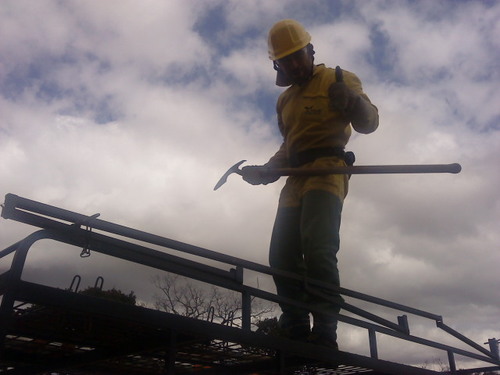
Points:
point(88, 233)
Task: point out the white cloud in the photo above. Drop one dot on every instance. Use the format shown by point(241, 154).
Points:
point(146, 35)
point(341, 43)
point(123, 108)
point(251, 75)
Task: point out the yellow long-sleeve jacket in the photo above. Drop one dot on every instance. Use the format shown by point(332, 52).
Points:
point(307, 121)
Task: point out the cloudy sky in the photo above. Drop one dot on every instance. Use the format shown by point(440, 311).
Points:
point(134, 109)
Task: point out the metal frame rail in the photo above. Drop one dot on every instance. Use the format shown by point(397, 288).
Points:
point(91, 233)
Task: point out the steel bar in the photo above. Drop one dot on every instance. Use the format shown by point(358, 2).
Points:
point(372, 338)
point(368, 169)
point(16, 208)
point(4, 278)
point(142, 255)
point(9, 250)
point(493, 344)
point(466, 340)
point(246, 310)
point(166, 262)
point(14, 203)
point(375, 318)
point(356, 169)
point(451, 361)
point(36, 213)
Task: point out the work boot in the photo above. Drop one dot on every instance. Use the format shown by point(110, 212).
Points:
point(323, 335)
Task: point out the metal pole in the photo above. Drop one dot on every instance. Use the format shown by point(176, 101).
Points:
point(451, 360)
point(368, 169)
point(372, 336)
point(246, 311)
point(493, 343)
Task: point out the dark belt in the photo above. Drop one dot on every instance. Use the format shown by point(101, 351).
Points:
point(307, 156)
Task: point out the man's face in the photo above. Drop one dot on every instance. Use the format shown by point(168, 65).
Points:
point(298, 66)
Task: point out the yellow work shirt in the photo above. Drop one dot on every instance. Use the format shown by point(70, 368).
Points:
point(306, 121)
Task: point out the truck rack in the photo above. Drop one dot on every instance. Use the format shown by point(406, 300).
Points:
point(50, 330)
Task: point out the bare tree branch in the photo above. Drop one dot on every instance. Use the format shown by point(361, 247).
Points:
point(187, 297)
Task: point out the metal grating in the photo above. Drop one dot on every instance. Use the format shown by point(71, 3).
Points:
point(73, 342)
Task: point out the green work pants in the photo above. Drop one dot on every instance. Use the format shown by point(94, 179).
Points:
point(305, 241)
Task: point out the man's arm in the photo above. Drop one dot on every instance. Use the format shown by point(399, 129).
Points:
point(348, 98)
point(255, 174)
point(364, 115)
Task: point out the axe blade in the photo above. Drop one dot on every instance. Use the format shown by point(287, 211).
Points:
point(233, 169)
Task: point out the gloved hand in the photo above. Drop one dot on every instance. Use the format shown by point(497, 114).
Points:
point(343, 99)
point(257, 175)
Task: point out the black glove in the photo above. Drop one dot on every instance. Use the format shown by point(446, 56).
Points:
point(342, 98)
point(257, 175)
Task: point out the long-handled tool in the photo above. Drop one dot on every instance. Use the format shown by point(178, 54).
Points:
point(357, 169)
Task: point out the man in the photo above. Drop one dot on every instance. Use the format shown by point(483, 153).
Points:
point(315, 115)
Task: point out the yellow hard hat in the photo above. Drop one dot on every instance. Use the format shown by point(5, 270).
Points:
point(286, 37)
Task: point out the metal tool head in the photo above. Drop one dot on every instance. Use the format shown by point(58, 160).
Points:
point(233, 169)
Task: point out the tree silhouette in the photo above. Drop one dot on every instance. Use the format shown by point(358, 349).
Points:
point(111, 294)
point(192, 299)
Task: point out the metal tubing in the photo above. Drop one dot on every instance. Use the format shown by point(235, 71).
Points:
point(76, 283)
point(374, 318)
point(390, 304)
point(152, 258)
point(9, 250)
point(14, 203)
point(142, 255)
point(372, 337)
point(99, 282)
point(13, 281)
point(466, 340)
point(493, 344)
point(35, 295)
point(350, 170)
point(368, 169)
point(246, 311)
point(17, 208)
point(451, 361)
point(403, 323)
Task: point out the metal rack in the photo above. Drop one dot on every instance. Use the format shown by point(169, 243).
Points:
point(48, 329)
